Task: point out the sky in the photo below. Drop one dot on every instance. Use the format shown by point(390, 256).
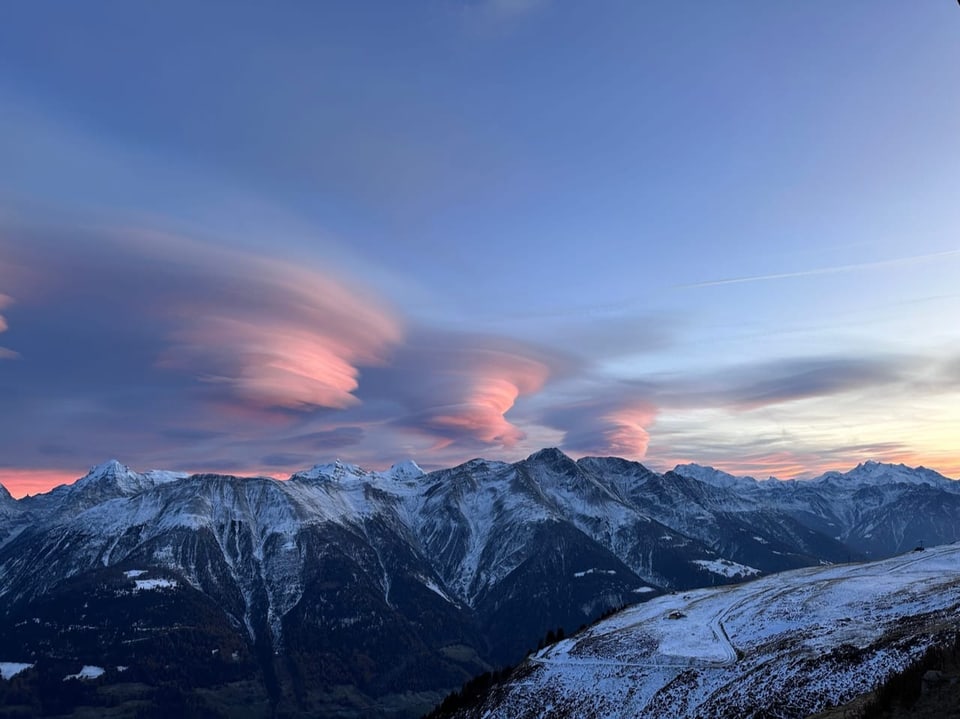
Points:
point(249, 238)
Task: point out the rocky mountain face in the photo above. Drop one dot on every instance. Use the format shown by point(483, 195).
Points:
point(9, 509)
point(344, 590)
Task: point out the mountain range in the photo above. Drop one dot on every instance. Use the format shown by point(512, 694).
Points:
point(352, 592)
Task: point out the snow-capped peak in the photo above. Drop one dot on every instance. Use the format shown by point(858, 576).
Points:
point(549, 454)
point(711, 476)
point(338, 471)
point(335, 471)
point(113, 475)
point(110, 467)
point(408, 469)
point(876, 473)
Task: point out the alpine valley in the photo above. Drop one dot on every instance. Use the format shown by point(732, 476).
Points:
point(345, 592)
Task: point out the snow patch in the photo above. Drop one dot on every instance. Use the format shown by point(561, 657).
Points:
point(134, 573)
point(89, 671)
point(407, 469)
point(433, 587)
point(726, 568)
point(149, 584)
point(8, 670)
point(584, 573)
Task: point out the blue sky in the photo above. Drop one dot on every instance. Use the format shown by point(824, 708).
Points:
point(248, 239)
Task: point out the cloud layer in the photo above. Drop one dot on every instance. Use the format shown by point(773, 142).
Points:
point(167, 351)
point(193, 356)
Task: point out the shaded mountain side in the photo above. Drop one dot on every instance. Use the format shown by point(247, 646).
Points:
point(551, 588)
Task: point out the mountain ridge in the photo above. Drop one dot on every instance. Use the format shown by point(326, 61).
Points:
point(398, 580)
point(409, 468)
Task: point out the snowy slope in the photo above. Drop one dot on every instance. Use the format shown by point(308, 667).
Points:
point(796, 642)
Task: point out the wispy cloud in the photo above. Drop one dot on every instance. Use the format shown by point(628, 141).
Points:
point(512, 8)
point(208, 348)
point(268, 332)
point(223, 354)
point(835, 269)
point(499, 15)
point(776, 382)
point(5, 301)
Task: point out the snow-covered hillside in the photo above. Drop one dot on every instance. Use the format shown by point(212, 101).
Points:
point(787, 645)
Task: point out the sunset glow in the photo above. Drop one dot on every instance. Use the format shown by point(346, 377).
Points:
point(737, 248)
point(21, 482)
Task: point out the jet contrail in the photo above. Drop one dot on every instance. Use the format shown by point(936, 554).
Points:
point(823, 270)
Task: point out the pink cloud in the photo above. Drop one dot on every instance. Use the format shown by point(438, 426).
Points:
point(489, 392)
point(277, 335)
point(281, 363)
point(615, 424)
point(267, 332)
point(458, 388)
point(626, 434)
